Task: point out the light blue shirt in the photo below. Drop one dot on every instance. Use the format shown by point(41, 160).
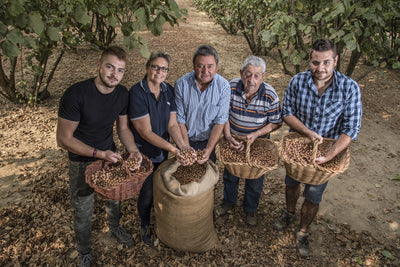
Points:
point(201, 111)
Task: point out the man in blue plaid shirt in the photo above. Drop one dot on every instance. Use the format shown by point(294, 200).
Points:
point(320, 102)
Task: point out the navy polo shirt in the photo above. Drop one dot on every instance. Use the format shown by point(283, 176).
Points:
point(142, 103)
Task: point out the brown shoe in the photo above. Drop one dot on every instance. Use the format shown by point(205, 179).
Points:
point(251, 218)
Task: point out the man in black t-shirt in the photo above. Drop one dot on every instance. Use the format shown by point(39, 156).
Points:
point(86, 117)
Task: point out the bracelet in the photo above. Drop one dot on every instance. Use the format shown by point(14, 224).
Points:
point(94, 153)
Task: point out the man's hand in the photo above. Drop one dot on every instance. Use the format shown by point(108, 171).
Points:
point(136, 154)
point(322, 159)
point(206, 156)
point(109, 155)
point(235, 144)
point(315, 137)
point(251, 137)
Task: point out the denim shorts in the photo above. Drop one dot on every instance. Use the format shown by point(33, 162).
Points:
point(312, 193)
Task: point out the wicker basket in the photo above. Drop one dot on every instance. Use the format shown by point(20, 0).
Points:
point(124, 190)
point(311, 173)
point(248, 169)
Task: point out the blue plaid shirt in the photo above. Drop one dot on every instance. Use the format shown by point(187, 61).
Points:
point(200, 111)
point(337, 111)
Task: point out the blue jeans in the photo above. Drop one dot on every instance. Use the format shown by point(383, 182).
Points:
point(145, 199)
point(252, 193)
point(312, 193)
point(81, 198)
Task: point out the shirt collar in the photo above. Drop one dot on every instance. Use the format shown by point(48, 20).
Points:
point(145, 86)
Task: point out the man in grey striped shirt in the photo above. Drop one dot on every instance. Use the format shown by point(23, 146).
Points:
point(254, 113)
point(202, 102)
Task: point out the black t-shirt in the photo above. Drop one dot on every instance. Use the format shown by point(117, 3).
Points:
point(96, 113)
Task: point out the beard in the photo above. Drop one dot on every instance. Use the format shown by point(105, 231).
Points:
point(106, 83)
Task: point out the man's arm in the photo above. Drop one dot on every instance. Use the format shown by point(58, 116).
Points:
point(184, 133)
point(66, 140)
point(215, 134)
point(270, 127)
point(126, 137)
point(342, 142)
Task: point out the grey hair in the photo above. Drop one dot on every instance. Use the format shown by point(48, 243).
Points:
point(254, 61)
point(154, 55)
point(205, 50)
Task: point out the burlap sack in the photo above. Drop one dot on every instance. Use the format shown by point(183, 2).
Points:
point(205, 183)
point(185, 223)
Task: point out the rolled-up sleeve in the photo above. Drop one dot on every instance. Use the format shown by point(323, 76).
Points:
point(288, 107)
point(180, 114)
point(353, 111)
point(224, 104)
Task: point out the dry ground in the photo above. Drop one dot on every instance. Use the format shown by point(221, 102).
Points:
point(358, 222)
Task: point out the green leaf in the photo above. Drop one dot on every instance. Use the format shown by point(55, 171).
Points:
point(103, 10)
point(396, 65)
point(16, 8)
point(351, 45)
point(397, 178)
point(299, 5)
point(126, 28)
point(377, 185)
point(112, 21)
point(130, 42)
point(387, 254)
point(36, 23)
point(53, 33)
point(140, 14)
point(31, 42)
point(9, 49)
point(81, 16)
point(144, 51)
point(3, 28)
point(15, 36)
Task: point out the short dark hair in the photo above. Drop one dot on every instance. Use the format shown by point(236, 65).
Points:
point(114, 51)
point(155, 55)
point(323, 45)
point(205, 50)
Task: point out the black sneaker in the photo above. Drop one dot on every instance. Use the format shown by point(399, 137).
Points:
point(302, 244)
point(122, 236)
point(86, 260)
point(146, 236)
point(222, 210)
point(284, 221)
point(251, 218)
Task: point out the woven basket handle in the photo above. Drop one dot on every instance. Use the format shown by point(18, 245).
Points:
point(248, 151)
point(315, 150)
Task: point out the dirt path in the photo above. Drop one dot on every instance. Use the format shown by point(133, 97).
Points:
point(33, 174)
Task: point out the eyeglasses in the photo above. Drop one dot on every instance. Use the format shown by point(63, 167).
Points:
point(157, 68)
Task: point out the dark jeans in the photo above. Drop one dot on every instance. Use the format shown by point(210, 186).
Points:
point(82, 197)
point(145, 199)
point(252, 193)
point(200, 145)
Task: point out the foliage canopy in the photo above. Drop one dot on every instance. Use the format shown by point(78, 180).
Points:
point(285, 30)
point(35, 31)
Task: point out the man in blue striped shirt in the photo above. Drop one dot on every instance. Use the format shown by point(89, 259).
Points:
point(202, 101)
point(318, 103)
point(254, 113)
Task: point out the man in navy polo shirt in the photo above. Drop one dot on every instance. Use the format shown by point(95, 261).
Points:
point(254, 113)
